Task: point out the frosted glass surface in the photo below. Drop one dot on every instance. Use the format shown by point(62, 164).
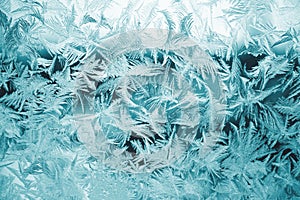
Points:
point(149, 99)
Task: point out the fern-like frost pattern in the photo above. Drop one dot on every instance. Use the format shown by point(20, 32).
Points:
point(149, 99)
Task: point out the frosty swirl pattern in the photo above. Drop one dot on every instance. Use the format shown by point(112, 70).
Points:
point(163, 99)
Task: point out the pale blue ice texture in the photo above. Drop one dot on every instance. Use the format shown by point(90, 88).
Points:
point(86, 113)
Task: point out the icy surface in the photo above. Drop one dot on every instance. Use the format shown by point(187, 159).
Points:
point(149, 100)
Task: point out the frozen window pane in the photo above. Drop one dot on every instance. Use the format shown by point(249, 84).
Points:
point(149, 99)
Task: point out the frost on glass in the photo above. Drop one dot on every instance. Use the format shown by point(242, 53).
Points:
point(153, 100)
point(149, 99)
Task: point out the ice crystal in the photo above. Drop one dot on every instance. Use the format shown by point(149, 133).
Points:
point(149, 99)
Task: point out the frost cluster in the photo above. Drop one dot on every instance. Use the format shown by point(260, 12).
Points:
point(149, 99)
